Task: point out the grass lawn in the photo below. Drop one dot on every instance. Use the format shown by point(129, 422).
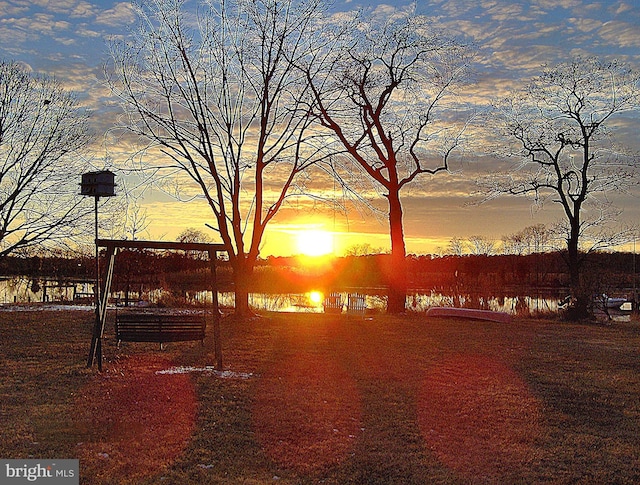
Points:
point(328, 399)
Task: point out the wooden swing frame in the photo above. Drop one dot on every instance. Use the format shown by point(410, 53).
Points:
point(112, 246)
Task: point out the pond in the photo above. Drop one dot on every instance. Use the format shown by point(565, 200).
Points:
point(24, 290)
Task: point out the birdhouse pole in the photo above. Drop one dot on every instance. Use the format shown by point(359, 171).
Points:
point(96, 185)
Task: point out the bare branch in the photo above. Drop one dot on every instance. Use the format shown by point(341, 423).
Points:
point(42, 130)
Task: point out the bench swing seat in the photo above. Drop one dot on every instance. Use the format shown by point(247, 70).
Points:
point(159, 327)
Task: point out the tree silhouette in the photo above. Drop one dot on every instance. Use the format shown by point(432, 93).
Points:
point(561, 126)
point(223, 109)
point(382, 90)
point(42, 130)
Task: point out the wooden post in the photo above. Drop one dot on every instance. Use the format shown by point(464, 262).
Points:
point(217, 347)
point(101, 311)
point(96, 343)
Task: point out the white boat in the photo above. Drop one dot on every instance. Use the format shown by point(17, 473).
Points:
point(469, 313)
point(613, 303)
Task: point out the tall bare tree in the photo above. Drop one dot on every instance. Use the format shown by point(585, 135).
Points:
point(218, 100)
point(562, 126)
point(42, 132)
point(384, 92)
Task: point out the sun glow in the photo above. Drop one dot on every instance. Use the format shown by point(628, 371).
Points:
point(314, 242)
point(316, 297)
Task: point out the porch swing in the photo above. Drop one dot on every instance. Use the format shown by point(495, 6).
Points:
point(158, 327)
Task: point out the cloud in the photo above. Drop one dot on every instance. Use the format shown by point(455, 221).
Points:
point(121, 14)
point(623, 8)
point(11, 39)
point(552, 4)
point(34, 26)
point(503, 12)
point(621, 34)
point(8, 9)
point(450, 8)
point(584, 24)
point(57, 6)
point(84, 10)
point(445, 217)
point(84, 30)
point(385, 10)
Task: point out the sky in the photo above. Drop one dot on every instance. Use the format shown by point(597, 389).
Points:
point(67, 39)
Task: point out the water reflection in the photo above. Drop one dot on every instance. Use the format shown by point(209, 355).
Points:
point(315, 301)
point(22, 289)
point(508, 304)
point(368, 300)
point(312, 302)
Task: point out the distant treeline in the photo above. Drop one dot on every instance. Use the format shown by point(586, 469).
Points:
point(51, 267)
point(184, 273)
point(470, 273)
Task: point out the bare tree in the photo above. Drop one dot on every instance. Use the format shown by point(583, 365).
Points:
point(136, 221)
point(42, 132)
point(532, 239)
point(481, 245)
point(456, 246)
point(514, 244)
point(192, 235)
point(218, 98)
point(561, 125)
point(537, 237)
point(382, 93)
point(363, 249)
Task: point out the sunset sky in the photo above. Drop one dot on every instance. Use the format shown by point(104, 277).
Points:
point(67, 39)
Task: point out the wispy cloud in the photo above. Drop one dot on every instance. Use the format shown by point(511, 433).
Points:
point(121, 14)
point(621, 34)
point(624, 7)
point(553, 4)
point(585, 25)
point(11, 9)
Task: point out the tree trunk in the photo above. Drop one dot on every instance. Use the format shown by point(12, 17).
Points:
point(580, 307)
point(397, 273)
point(242, 274)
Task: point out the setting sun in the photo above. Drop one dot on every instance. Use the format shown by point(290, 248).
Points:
point(314, 242)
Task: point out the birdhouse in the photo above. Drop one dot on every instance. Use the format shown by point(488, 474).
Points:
point(98, 184)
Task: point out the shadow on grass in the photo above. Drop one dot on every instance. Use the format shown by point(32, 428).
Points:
point(321, 399)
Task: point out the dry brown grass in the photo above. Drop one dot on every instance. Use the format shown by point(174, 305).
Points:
point(330, 399)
